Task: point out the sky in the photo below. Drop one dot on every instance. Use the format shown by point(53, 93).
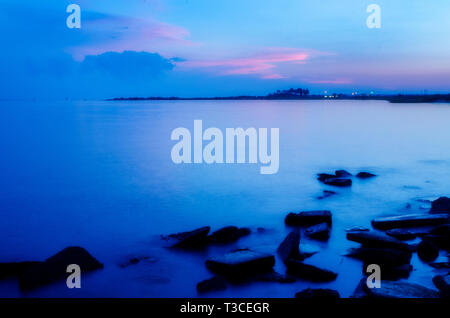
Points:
point(195, 48)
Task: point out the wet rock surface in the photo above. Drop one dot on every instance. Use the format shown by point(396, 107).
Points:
point(309, 272)
point(391, 289)
point(410, 220)
point(289, 248)
point(400, 234)
point(190, 239)
point(381, 256)
point(308, 218)
point(213, 284)
point(371, 239)
point(319, 231)
point(228, 234)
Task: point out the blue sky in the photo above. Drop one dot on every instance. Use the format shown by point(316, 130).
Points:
point(221, 47)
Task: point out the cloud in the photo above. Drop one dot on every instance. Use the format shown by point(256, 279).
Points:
point(337, 81)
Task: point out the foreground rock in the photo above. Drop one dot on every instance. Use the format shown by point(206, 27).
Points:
point(321, 293)
point(427, 251)
point(228, 234)
point(391, 289)
point(14, 269)
point(308, 218)
point(309, 272)
point(381, 256)
point(241, 263)
point(365, 175)
point(441, 205)
point(410, 220)
point(400, 234)
point(443, 284)
point(55, 267)
point(191, 239)
point(370, 239)
point(289, 248)
point(213, 284)
point(319, 231)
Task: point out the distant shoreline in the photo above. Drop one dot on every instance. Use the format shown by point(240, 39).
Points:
point(432, 98)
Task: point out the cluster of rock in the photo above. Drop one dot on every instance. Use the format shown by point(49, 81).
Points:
point(342, 178)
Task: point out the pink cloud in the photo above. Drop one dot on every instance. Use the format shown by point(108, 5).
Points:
point(263, 64)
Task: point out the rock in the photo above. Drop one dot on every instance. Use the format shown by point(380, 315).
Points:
point(400, 234)
point(365, 175)
point(400, 290)
point(276, 278)
point(357, 229)
point(371, 239)
point(319, 231)
point(326, 194)
point(338, 182)
point(323, 176)
point(342, 173)
point(392, 273)
point(410, 220)
point(14, 269)
point(308, 218)
point(136, 260)
point(440, 265)
point(309, 272)
point(427, 251)
point(441, 241)
point(228, 234)
point(55, 267)
point(441, 230)
point(213, 284)
point(321, 293)
point(381, 256)
point(441, 205)
point(192, 239)
point(443, 284)
point(289, 248)
point(241, 262)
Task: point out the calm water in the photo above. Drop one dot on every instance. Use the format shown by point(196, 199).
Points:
point(100, 175)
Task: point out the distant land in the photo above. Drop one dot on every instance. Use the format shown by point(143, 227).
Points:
point(303, 94)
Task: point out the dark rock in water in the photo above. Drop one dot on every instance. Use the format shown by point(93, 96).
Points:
point(359, 291)
point(441, 205)
point(410, 220)
point(55, 267)
point(381, 256)
point(308, 218)
point(391, 273)
point(391, 289)
point(427, 251)
point(14, 269)
point(342, 173)
point(441, 241)
point(276, 278)
point(440, 265)
point(192, 239)
point(241, 262)
point(321, 293)
point(365, 175)
point(441, 230)
point(326, 194)
point(400, 234)
point(357, 229)
point(136, 260)
point(309, 272)
point(443, 284)
point(338, 182)
point(212, 284)
point(319, 231)
point(323, 176)
point(370, 239)
point(228, 234)
point(289, 248)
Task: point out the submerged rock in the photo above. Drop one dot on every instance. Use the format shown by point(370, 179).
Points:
point(321, 293)
point(440, 265)
point(319, 231)
point(338, 182)
point(323, 176)
point(55, 267)
point(441, 205)
point(289, 248)
point(391, 289)
point(365, 175)
point(14, 269)
point(308, 218)
point(370, 239)
point(410, 220)
point(136, 260)
point(191, 239)
point(241, 262)
point(326, 194)
point(309, 272)
point(443, 284)
point(357, 229)
point(213, 284)
point(427, 251)
point(381, 256)
point(342, 173)
point(228, 234)
point(400, 234)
